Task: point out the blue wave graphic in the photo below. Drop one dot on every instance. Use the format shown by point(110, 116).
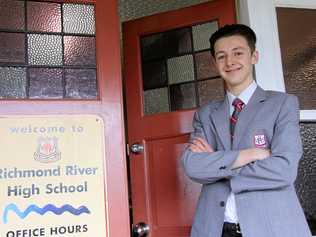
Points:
point(49, 207)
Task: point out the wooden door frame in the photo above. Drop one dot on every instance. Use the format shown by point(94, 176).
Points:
point(109, 106)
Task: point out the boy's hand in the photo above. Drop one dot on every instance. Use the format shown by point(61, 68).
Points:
point(198, 144)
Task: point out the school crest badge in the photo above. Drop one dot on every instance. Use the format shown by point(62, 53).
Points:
point(260, 141)
point(47, 150)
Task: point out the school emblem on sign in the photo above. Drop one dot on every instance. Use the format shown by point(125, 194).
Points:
point(260, 141)
point(47, 150)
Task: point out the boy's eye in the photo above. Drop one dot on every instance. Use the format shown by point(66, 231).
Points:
point(239, 53)
point(220, 57)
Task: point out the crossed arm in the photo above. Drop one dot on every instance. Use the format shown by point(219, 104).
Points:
point(245, 156)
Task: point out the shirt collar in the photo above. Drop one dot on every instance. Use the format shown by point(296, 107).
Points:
point(245, 95)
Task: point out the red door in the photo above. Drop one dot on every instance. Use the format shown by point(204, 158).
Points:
point(162, 93)
point(108, 105)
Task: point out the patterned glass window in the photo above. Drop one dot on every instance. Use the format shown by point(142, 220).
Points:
point(306, 179)
point(177, 69)
point(297, 33)
point(47, 50)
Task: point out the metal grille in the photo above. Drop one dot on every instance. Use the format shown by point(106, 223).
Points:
point(132, 9)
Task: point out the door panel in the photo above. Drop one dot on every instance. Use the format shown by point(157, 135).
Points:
point(173, 195)
point(162, 196)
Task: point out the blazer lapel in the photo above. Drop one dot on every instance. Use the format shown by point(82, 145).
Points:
point(220, 118)
point(247, 115)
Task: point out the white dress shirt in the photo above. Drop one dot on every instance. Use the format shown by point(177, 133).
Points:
point(230, 210)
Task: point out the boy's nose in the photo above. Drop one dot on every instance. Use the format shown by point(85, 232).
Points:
point(229, 60)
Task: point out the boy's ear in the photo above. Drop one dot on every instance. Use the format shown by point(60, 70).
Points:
point(254, 57)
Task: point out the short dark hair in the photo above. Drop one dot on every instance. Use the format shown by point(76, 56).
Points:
point(231, 30)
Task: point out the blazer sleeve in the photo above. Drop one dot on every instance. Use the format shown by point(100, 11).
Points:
point(280, 169)
point(204, 167)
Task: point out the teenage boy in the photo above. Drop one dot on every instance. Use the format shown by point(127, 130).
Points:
point(245, 150)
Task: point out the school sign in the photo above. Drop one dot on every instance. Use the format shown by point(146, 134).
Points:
point(52, 177)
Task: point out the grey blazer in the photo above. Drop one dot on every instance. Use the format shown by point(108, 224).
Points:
point(266, 201)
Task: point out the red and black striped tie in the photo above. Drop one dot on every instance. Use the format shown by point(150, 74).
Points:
point(238, 105)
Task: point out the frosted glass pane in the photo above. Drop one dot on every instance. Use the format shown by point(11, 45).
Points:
point(202, 34)
point(11, 15)
point(45, 83)
point(45, 49)
point(12, 83)
point(154, 75)
point(297, 33)
point(44, 17)
point(152, 47)
point(12, 48)
point(182, 96)
point(79, 19)
point(205, 67)
point(180, 69)
point(81, 83)
point(79, 50)
point(156, 101)
point(306, 179)
point(210, 90)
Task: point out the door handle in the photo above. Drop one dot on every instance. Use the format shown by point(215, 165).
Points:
point(137, 148)
point(140, 230)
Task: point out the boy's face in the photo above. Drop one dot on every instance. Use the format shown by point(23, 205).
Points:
point(234, 61)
